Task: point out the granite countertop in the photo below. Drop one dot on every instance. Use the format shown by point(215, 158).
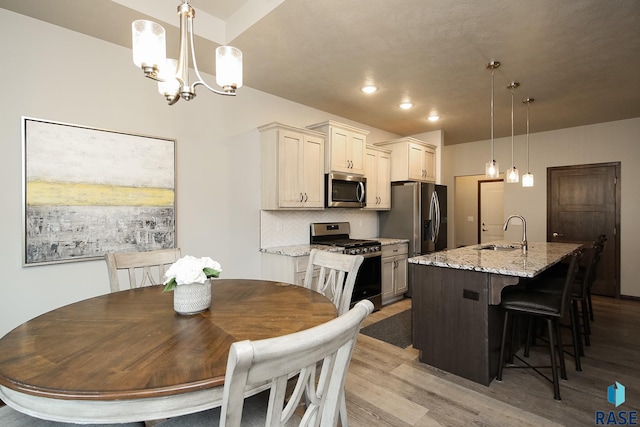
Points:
point(384, 241)
point(540, 256)
point(303, 250)
point(299, 250)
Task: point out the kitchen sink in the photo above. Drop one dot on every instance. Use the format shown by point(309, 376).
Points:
point(499, 247)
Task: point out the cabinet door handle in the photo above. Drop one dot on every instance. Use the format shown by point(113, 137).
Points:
point(306, 197)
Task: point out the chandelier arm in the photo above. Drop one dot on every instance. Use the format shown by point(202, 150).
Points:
point(185, 11)
point(197, 72)
point(173, 99)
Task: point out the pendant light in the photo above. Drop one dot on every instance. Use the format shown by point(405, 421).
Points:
point(527, 178)
point(512, 173)
point(491, 168)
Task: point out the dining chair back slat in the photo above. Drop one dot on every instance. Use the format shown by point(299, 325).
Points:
point(143, 268)
point(336, 276)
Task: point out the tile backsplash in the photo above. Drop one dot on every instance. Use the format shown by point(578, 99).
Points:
point(284, 228)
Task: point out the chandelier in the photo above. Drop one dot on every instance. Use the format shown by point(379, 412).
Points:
point(149, 53)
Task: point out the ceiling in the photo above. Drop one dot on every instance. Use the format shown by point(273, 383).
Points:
point(579, 59)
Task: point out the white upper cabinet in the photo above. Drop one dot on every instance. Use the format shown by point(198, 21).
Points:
point(344, 147)
point(292, 167)
point(377, 170)
point(411, 159)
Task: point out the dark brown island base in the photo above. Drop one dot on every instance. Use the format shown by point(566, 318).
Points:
point(457, 320)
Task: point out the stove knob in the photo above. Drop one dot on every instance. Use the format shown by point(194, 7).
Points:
point(354, 252)
point(365, 250)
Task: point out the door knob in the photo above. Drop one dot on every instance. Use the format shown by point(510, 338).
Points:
point(557, 234)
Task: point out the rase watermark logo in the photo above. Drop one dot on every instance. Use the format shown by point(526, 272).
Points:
point(616, 396)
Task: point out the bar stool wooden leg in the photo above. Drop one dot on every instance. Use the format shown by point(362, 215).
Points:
point(554, 367)
point(563, 367)
point(585, 322)
point(505, 327)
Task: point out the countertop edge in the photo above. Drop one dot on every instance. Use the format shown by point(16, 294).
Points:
point(305, 249)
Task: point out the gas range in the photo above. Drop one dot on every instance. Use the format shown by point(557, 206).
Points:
point(368, 283)
point(337, 234)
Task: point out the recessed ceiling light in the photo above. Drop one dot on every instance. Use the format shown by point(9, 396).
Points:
point(406, 105)
point(434, 118)
point(369, 88)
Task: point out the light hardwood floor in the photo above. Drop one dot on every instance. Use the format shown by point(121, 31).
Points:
point(388, 386)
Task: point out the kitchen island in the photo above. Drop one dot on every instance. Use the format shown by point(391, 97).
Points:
point(456, 318)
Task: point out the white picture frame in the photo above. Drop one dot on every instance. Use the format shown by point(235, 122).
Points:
point(88, 191)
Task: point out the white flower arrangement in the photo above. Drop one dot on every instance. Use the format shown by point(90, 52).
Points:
point(190, 269)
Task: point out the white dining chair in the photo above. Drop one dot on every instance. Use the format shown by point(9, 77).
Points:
point(144, 268)
point(273, 361)
point(335, 279)
point(9, 417)
point(336, 276)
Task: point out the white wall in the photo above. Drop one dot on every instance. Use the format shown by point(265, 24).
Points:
point(56, 74)
point(606, 142)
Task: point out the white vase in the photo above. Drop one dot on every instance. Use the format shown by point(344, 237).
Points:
point(192, 298)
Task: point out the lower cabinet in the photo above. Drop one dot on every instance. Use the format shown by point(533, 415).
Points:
point(287, 269)
point(394, 272)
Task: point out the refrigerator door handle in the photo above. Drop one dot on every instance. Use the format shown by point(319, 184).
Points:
point(433, 215)
point(437, 222)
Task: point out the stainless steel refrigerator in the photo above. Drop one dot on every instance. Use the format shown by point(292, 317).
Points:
point(418, 213)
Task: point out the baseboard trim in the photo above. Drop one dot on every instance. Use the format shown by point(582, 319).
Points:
point(630, 297)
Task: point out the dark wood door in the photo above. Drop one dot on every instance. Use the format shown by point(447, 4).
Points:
point(582, 203)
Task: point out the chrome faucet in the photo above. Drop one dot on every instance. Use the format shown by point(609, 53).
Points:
point(524, 244)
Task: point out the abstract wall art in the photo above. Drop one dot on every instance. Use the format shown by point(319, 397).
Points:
point(89, 191)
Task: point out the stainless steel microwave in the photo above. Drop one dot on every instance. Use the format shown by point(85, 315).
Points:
point(345, 191)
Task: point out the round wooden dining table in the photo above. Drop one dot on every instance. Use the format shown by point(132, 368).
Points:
point(127, 356)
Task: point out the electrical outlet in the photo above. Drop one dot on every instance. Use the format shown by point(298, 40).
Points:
point(470, 219)
point(279, 226)
point(469, 294)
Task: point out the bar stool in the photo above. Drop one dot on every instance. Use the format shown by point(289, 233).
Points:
point(549, 307)
point(599, 243)
point(579, 304)
point(581, 291)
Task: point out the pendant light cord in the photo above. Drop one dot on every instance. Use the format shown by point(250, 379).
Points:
point(528, 102)
point(492, 78)
point(512, 94)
